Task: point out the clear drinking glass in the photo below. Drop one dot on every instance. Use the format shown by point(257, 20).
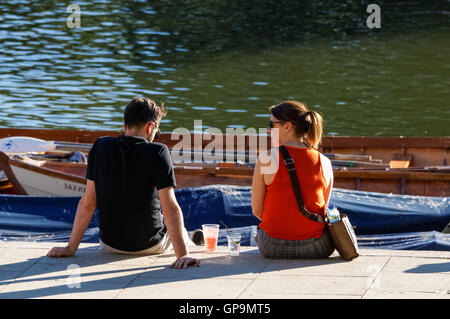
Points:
point(234, 244)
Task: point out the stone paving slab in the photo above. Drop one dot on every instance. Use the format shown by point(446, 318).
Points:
point(26, 272)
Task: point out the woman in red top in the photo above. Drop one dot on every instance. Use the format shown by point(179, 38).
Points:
point(284, 232)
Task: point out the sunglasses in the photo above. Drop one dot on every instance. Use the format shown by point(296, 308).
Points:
point(271, 123)
point(158, 131)
point(157, 134)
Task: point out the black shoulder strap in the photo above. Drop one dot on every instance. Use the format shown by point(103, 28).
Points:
point(290, 164)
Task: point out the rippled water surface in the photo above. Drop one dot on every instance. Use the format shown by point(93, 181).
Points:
point(226, 63)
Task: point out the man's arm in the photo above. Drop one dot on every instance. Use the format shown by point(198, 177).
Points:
point(173, 218)
point(85, 211)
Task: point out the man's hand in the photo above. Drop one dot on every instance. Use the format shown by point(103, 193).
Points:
point(184, 262)
point(85, 211)
point(61, 252)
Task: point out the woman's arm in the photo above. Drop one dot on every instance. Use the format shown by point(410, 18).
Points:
point(258, 191)
point(327, 169)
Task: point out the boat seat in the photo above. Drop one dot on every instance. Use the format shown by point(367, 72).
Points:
point(401, 160)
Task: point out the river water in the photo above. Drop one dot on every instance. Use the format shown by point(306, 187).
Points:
point(225, 63)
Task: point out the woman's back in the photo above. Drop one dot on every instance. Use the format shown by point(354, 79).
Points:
point(284, 232)
point(281, 217)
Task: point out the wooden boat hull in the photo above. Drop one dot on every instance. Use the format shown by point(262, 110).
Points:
point(56, 179)
point(426, 151)
point(39, 183)
point(422, 152)
point(28, 179)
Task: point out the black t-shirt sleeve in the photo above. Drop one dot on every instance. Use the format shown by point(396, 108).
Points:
point(165, 175)
point(90, 171)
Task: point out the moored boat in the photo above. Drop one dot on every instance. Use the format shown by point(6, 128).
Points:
point(44, 178)
point(398, 165)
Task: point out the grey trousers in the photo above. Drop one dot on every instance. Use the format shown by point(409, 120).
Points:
point(310, 248)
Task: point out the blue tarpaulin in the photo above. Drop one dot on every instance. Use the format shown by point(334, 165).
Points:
point(381, 220)
point(377, 213)
point(371, 213)
point(431, 240)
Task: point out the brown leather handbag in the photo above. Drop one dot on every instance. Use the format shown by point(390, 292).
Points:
point(341, 232)
point(344, 238)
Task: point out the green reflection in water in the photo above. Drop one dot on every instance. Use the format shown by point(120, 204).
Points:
point(226, 62)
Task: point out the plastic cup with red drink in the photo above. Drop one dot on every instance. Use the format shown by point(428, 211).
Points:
point(210, 235)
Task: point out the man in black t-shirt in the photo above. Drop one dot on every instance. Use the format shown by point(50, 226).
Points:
point(130, 179)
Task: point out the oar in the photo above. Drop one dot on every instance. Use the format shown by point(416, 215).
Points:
point(82, 147)
point(334, 156)
point(25, 144)
point(358, 164)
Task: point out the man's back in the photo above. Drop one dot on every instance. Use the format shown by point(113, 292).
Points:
point(126, 179)
point(127, 172)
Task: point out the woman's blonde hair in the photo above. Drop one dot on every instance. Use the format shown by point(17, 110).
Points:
point(307, 124)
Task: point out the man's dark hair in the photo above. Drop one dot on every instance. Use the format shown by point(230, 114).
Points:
point(141, 110)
